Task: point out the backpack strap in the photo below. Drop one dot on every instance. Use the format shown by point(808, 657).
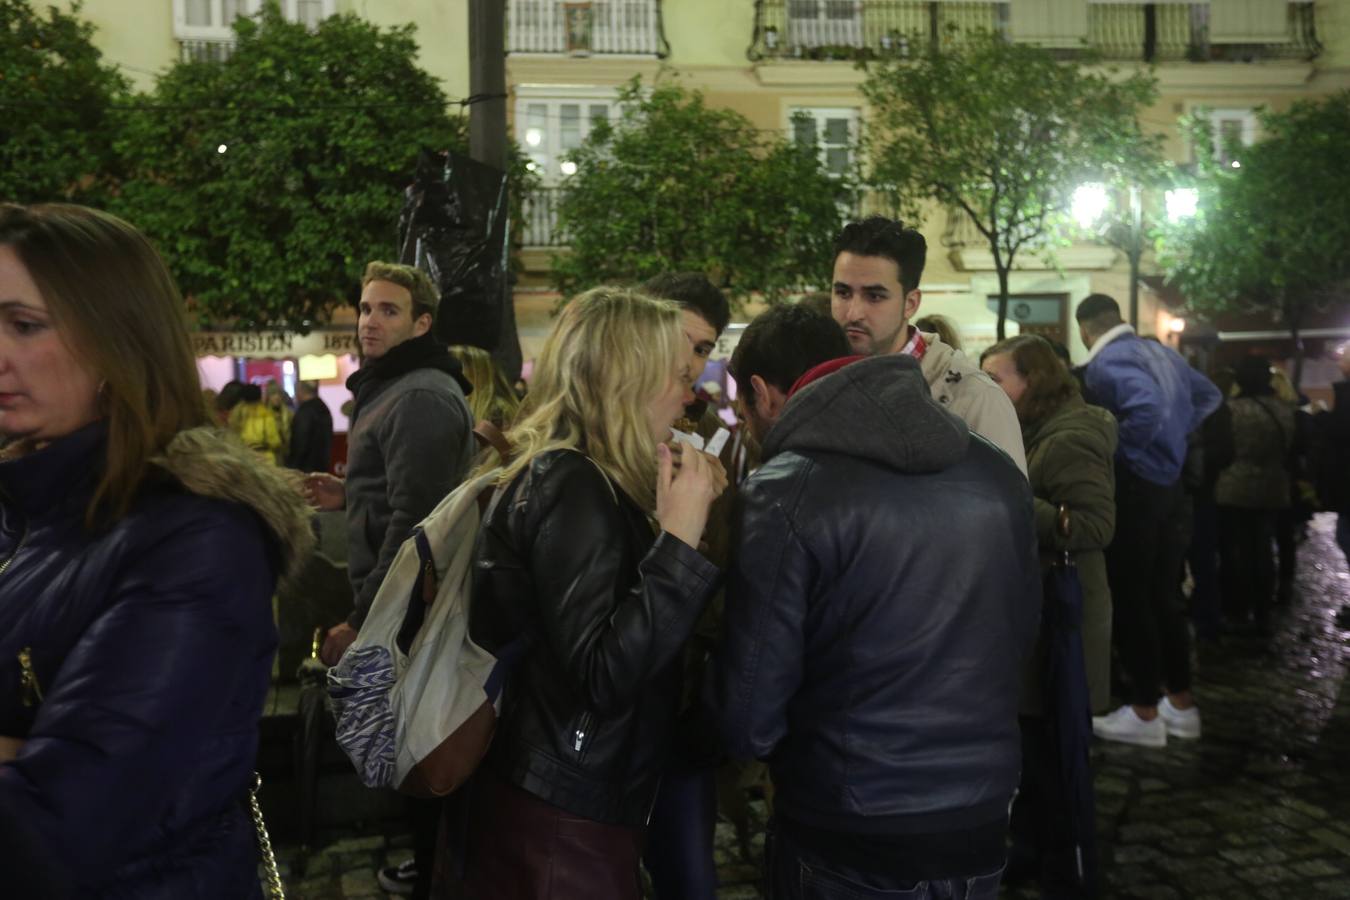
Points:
point(423, 591)
point(489, 435)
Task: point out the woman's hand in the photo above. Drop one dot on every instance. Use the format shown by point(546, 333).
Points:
point(677, 450)
point(324, 491)
point(684, 492)
point(9, 748)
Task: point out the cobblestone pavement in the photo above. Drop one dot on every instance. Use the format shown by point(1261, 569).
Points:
point(1259, 807)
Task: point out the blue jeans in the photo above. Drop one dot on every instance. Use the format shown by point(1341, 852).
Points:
point(793, 872)
point(679, 854)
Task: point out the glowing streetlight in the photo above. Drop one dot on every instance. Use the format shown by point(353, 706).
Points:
point(1089, 204)
point(1181, 203)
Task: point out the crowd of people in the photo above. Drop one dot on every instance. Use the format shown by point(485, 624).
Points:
point(851, 591)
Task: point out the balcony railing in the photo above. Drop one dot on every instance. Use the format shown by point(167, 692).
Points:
point(541, 219)
point(622, 27)
point(205, 50)
point(854, 29)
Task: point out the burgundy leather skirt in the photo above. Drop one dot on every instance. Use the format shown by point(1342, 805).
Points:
point(518, 847)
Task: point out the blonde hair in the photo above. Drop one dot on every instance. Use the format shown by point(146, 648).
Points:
point(492, 397)
point(943, 327)
point(610, 354)
point(1283, 386)
point(115, 305)
point(425, 297)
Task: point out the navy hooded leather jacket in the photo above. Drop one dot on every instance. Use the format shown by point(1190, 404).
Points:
point(884, 591)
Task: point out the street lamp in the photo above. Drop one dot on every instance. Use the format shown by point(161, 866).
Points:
point(1181, 203)
point(1089, 204)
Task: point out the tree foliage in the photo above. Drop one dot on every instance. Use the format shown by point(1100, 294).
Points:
point(676, 185)
point(1274, 234)
point(57, 101)
point(1004, 133)
point(271, 178)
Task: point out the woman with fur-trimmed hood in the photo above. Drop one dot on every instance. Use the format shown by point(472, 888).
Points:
point(139, 550)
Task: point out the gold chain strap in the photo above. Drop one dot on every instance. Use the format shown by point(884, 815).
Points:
point(265, 843)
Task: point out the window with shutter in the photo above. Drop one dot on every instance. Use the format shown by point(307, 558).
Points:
point(1050, 23)
point(1248, 21)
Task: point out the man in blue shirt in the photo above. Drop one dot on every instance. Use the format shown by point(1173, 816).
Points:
point(1157, 400)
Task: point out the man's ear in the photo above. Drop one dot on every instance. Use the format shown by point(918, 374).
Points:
point(912, 301)
point(769, 400)
point(422, 324)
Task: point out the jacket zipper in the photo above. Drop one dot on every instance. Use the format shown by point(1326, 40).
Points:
point(28, 680)
point(581, 735)
point(23, 539)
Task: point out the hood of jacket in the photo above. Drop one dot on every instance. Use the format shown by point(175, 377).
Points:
point(214, 464)
point(879, 409)
point(1074, 416)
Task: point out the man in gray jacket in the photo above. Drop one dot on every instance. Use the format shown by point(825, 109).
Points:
point(411, 434)
point(410, 443)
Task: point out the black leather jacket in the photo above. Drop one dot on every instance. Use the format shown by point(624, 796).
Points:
point(606, 603)
point(885, 588)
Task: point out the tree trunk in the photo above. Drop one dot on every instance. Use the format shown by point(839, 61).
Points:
point(1002, 297)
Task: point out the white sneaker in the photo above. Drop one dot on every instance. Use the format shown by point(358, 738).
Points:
point(1180, 723)
point(1124, 725)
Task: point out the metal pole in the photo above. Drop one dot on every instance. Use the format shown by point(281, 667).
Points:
point(487, 77)
point(1135, 252)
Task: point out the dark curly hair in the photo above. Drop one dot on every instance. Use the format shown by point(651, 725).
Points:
point(889, 238)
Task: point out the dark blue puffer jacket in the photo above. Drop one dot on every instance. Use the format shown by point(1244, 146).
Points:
point(151, 643)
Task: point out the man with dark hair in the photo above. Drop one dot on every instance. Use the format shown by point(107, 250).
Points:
point(877, 266)
point(311, 447)
point(881, 690)
point(773, 353)
point(682, 827)
point(1158, 400)
point(695, 293)
point(410, 444)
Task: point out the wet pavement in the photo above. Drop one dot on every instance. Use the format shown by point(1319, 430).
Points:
point(1259, 807)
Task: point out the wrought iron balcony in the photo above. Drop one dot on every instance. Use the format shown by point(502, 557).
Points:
point(602, 27)
point(866, 29)
point(205, 50)
point(1167, 32)
point(540, 228)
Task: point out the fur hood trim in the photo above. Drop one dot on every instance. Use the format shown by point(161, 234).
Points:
point(213, 463)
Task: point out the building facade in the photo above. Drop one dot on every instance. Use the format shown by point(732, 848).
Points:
point(772, 60)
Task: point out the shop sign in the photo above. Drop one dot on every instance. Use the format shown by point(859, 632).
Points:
point(274, 344)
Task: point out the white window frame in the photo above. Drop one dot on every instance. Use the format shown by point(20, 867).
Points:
point(220, 30)
point(1244, 114)
point(823, 29)
point(821, 114)
point(553, 99)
